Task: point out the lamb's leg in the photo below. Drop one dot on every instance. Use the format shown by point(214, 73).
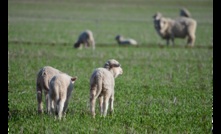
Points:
point(39, 99)
point(60, 108)
point(112, 104)
point(101, 104)
point(47, 100)
point(105, 105)
point(92, 102)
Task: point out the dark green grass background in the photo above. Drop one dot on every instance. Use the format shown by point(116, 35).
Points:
point(162, 90)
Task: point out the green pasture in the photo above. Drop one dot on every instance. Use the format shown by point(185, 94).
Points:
point(162, 90)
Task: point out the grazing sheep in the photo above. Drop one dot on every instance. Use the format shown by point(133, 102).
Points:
point(102, 85)
point(61, 87)
point(122, 41)
point(181, 27)
point(85, 38)
point(43, 78)
point(185, 13)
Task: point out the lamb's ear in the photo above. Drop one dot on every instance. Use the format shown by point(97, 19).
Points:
point(73, 78)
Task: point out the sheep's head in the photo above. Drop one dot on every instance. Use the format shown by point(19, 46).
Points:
point(114, 66)
point(77, 45)
point(185, 13)
point(119, 37)
point(157, 16)
point(162, 25)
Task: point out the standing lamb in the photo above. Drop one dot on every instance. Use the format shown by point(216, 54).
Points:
point(181, 27)
point(102, 85)
point(43, 78)
point(122, 41)
point(85, 38)
point(61, 87)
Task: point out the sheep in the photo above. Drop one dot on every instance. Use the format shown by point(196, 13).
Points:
point(61, 87)
point(185, 13)
point(181, 27)
point(122, 41)
point(102, 86)
point(86, 38)
point(43, 78)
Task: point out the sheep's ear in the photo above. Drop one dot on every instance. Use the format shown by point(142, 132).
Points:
point(73, 78)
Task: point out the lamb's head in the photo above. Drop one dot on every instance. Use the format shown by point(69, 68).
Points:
point(77, 45)
point(119, 38)
point(114, 67)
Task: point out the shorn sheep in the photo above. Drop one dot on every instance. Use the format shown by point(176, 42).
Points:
point(42, 84)
point(85, 39)
point(181, 27)
point(102, 86)
point(122, 41)
point(61, 87)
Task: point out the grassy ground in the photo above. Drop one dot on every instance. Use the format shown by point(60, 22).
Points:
point(162, 90)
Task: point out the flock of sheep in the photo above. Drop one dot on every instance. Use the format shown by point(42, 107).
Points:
point(167, 28)
point(58, 86)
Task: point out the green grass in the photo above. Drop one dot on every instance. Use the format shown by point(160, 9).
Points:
point(162, 90)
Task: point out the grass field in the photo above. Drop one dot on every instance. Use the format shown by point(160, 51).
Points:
point(163, 89)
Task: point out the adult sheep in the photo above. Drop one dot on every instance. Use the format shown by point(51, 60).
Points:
point(42, 84)
point(86, 39)
point(122, 41)
point(102, 85)
point(181, 27)
point(61, 87)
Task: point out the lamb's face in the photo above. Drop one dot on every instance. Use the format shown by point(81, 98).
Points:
point(114, 66)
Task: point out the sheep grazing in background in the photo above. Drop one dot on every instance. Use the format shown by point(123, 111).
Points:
point(181, 27)
point(102, 85)
point(61, 87)
point(86, 39)
point(185, 13)
point(122, 41)
point(43, 79)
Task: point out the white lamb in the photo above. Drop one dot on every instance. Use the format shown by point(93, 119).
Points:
point(85, 38)
point(122, 41)
point(181, 27)
point(102, 85)
point(61, 87)
point(42, 83)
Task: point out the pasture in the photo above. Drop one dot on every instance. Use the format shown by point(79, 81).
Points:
point(162, 90)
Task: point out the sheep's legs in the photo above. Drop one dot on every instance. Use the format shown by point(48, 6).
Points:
point(92, 102)
point(101, 104)
point(112, 104)
point(39, 99)
point(47, 100)
point(60, 108)
point(105, 105)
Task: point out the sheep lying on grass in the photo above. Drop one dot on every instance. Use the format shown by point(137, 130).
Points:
point(85, 38)
point(61, 86)
point(122, 41)
point(102, 85)
point(181, 27)
point(43, 78)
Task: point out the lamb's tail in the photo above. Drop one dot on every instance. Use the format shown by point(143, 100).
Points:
point(99, 86)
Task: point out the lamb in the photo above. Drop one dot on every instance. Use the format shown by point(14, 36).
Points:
point(122, 41)
point(43, 78)
point(61, 87)
point(85, 38)
point(102, 86)
point(181, 27)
